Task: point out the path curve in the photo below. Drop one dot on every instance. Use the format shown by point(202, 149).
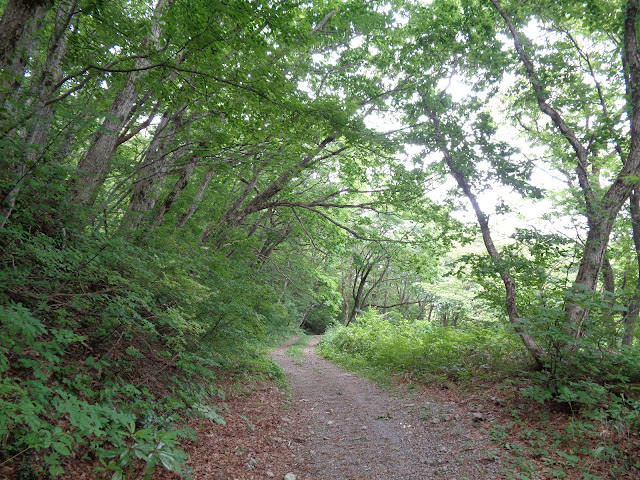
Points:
point(350, 429)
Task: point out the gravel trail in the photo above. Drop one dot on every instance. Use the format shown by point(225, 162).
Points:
point(347, 428)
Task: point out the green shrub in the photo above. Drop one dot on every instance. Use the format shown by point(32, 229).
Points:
point(424, 348)
point(84, 319)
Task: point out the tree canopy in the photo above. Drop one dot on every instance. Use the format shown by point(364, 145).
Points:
point(206, 175)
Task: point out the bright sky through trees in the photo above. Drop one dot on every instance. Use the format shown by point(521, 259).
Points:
point(181, 179)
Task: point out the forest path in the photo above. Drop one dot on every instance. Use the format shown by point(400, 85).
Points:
point(350, 429)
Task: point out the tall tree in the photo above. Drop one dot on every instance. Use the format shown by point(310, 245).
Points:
point(601, 209)
point(18, 19)
point(94, 165)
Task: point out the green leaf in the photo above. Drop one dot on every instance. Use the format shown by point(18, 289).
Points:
point(168, 460)
point(118, 475)
point(61, 448)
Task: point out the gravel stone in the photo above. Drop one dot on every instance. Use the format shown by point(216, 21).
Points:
point(402, 447)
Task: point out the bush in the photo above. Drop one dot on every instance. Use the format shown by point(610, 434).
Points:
point(423, 348)
point(106, 346)
point(50, 410)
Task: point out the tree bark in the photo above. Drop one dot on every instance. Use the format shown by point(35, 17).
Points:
point(270, 244)
point(18, 18)
point(360, 294)
point(633, 309)
point(601, 213)
point(360, 279)
point(346, 297)
point(13, 74)
point(37, 129)
point(183, 180)
point(307, 311)
point(240, 210)
point(386, 297)
point(376, 282)
point(233, 217)
point(157, 159)
point(195, 203)
point(608, 277)
point(93, 167)
point(536, 352)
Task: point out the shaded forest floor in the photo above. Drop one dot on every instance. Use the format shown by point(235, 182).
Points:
point(332, 424)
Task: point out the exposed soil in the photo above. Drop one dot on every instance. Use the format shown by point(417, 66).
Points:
point(347, 428)
point(333, 425)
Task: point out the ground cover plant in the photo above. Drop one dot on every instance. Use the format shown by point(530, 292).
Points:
point(296, 349)
point(106, 356)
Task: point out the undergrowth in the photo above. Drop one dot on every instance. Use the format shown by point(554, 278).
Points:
point(426, 350)
point(107, 347)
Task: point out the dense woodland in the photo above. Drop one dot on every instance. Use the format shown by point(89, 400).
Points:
point(184, 183)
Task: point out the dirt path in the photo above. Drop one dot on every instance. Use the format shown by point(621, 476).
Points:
point(349, 429)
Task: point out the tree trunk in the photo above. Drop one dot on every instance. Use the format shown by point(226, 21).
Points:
point(18, 19)
point(386, 297)
point(357, 291)
point(608, 277)
point(346, 297)
point(608, 295)
point(94, 166)
point(376, 282)
point(157, 159)
point(9, 198)
point(240, 210)
point(38, 128)
point(195, 203)
point(536, 352)
point(631, 318)
point(601, 213)
point(361, 295)
point(633, 309)
point(270, 244)
point(13, 74)
point(307, 311)
point(360, 279)
point(409, 302)
point(284, 289)
point(233, 217)
point(183, 180)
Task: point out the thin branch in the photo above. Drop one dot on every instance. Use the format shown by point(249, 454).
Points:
point(351, 231)
point(556, 117)
point(309, 236)
point(137, 129)
point(401, 304)
point(324, 21)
